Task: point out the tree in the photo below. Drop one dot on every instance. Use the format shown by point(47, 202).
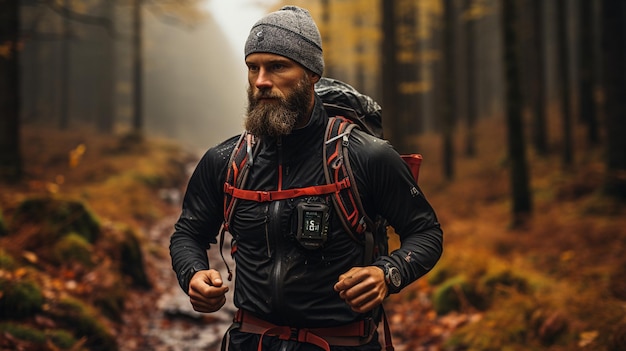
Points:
point(564, 78)
point(586, 64)
point(522, 206)
point(448, 108)
point(137, 39)
point(540, 128)
point(65, 66)
point(407, 65)
point(393, 129)
point(10, 158)
point(614, 67)
point(471, 15)
point(325, 24)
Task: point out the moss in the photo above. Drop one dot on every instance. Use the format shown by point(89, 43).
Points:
point(61, 338)
point(439, 274)
point(24, 332)
point(3, 226)
point(492, 283)
point(85, 322)
point(58, 217)
point(110, 301)
point(507, 328)
point(73, 248)
point(19, 298)
point(153, 181)
point(131, 257)
point(456, 294)
point(6, 261)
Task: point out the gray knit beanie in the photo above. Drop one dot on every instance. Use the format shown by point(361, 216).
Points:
point(289, 32)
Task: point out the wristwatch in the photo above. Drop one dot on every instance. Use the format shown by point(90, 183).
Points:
point(392, 277)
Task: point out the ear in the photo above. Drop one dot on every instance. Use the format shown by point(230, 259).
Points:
point(314, 77)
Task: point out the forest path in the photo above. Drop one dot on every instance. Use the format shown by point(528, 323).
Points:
point(162, 319)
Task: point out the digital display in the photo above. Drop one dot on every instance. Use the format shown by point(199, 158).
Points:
point(312, 224)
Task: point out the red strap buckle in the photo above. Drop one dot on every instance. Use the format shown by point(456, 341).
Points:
point(264, 196)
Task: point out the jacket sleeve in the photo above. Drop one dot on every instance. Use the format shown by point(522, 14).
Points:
point(390, 190)
point(201, 216)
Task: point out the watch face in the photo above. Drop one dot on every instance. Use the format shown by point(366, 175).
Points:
point(394, 277)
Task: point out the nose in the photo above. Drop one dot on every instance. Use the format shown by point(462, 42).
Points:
point(262, 80)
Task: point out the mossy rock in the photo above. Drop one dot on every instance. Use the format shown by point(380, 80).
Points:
point(7, 261)
point(3, 225)
point(36, 339)
point(57, 217)
point(73, 248)
point(132, 262)
point(499, 282)
point(439, 274)
point(61, 338)
point(24, 333)
point(110, 300)
point(85, 322)
point(456, 294)
point(19, 298)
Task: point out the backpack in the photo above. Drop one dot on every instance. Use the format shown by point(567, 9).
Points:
point(347, 109)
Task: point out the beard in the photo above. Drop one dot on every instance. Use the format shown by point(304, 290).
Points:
point(280, 116)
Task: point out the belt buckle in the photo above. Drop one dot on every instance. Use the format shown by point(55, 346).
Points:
point(294, 334)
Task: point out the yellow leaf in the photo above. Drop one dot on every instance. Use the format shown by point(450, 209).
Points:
point(20, 272)
point(567, 256)
point(52, 188)
point(587, 338)
point(30, 256)
point(76, 154)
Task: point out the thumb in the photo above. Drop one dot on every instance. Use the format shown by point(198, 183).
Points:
point(215, 278)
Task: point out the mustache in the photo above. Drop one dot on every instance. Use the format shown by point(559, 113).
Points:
point(266, 94)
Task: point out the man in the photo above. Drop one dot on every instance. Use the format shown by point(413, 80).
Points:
point(291, 296)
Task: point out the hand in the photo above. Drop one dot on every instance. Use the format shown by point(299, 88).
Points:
point(363, 288)
point(206, 291)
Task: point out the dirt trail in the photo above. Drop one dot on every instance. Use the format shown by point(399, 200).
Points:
point(162, 318)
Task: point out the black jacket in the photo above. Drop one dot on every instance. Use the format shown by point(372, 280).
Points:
point(276, 278)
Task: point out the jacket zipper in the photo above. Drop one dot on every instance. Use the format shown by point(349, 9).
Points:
point(275, 232)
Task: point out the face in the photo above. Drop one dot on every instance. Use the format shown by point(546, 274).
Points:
point(280, 95)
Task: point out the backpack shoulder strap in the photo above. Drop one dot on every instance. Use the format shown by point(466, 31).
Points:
point(347, 201)
point(239, 163)
point(241, 159)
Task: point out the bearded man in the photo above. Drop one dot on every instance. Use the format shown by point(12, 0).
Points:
point(294, 294)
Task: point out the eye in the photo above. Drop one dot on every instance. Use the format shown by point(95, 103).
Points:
point(278, 66)
point(253, 68)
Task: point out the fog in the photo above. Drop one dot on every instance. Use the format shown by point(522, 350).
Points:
point(194, 82)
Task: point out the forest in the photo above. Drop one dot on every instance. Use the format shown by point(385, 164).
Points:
point(517, 107)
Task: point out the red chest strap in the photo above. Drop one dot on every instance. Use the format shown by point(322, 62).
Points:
point(265, 196)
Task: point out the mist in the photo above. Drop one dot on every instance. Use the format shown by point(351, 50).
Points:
point(194, 83)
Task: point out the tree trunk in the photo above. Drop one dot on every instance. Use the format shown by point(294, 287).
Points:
point(449, 105)
point(472, 88)
point(408, 97)
point(515, 131)
point(65, 67)
point(586, 64)
point(540, 128)
point(564, 65)
point(138, 118)
point(106, 111)
point(325, 26)
point(614, 60)
point(393, 129)
point(10, 99)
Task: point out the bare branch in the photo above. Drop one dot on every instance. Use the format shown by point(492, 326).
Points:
point(68, 13)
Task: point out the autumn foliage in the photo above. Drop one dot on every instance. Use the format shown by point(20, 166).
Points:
point(75, 261)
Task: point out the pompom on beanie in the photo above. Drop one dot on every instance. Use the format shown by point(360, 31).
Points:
point(289, 32)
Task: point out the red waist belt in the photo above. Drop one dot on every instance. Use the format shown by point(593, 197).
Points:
point(353, 334)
